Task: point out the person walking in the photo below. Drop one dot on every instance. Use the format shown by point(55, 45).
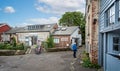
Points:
point(74, 48)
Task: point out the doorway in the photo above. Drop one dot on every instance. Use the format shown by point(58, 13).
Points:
point(34, 40)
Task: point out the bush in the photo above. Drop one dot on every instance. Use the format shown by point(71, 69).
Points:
point(44, 45)
point(87, 63)
point(7, 46)
point(2, 45)
point(20, 46)
point(13, 42)
point(57, 49)
point(50, 42)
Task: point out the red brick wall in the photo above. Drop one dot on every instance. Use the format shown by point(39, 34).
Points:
point(3, 28)
point(94, 45)
point(62, 44)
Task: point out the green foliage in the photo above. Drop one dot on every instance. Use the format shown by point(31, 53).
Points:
point(20, 46)
point(2, 45)
point(14, 42)
point(50, 42)
point(7, 46)
point(87, 63)
point(44, 45)
point(74, 19)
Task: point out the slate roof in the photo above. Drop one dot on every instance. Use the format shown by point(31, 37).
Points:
point(14, 30)
point(44, 28)
point(1, 24)
point(67, 31)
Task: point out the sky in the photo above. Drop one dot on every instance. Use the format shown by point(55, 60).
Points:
point(24, 12)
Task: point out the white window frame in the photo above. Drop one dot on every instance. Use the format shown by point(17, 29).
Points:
point(119, 8)
point(110, 16)
point(56, 40)
point(64, 39)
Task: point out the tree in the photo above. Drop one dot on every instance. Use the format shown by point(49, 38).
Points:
point(74, 19)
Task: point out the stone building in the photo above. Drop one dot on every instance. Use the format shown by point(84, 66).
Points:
point(30, 34)
point(92, 29)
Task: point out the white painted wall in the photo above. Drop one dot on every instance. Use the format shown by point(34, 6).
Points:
point(42, 36)
point(5, 37)
point(75, 34)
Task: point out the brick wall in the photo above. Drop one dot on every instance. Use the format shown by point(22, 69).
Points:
point(62, 43)
point(92, 30)
point(94, 48)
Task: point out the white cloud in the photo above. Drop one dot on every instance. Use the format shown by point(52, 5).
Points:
point(43, 20)
point(9, 9)
point(60, 6)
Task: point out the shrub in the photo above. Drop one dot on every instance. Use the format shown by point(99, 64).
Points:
point(50, 42)
point(87, 63)
point(44, 45)
point(57, 49)
point(14, 42)
point(20, 46)
point(7, 46)
point(2, 45)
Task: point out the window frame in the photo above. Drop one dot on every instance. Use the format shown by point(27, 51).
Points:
point(64, 39)
point(116, 43)
point(118, 11)
point(56, 40)
point(110, 14)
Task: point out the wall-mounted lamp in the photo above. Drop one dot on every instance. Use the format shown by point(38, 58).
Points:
point(94, 21)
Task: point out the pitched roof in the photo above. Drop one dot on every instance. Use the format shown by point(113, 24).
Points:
point(42, 28)
point(14, 30)
point(65, 30)
point(2, 24)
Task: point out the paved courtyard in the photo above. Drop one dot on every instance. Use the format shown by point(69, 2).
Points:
point(52, 61)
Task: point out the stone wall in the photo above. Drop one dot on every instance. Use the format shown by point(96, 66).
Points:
point(11, 52)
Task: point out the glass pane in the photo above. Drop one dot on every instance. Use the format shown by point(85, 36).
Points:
point(116, 40)
point(119, 4)
point(107, 17)
point(113, 18)
point(119, 13)
point(112, 15)
point(116, 47)
point(119, 8)
point(119, 47)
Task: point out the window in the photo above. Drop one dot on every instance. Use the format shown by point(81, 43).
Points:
point(119, 11)
point(56, 40)
point(64, 39)
point(116, 43)
point(110, 15)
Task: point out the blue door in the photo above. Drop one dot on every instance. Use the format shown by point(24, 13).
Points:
point(112, 58)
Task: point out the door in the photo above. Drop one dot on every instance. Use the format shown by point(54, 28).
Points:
point(34, 40)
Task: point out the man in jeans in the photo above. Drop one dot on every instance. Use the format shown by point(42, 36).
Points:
point(74, 48)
